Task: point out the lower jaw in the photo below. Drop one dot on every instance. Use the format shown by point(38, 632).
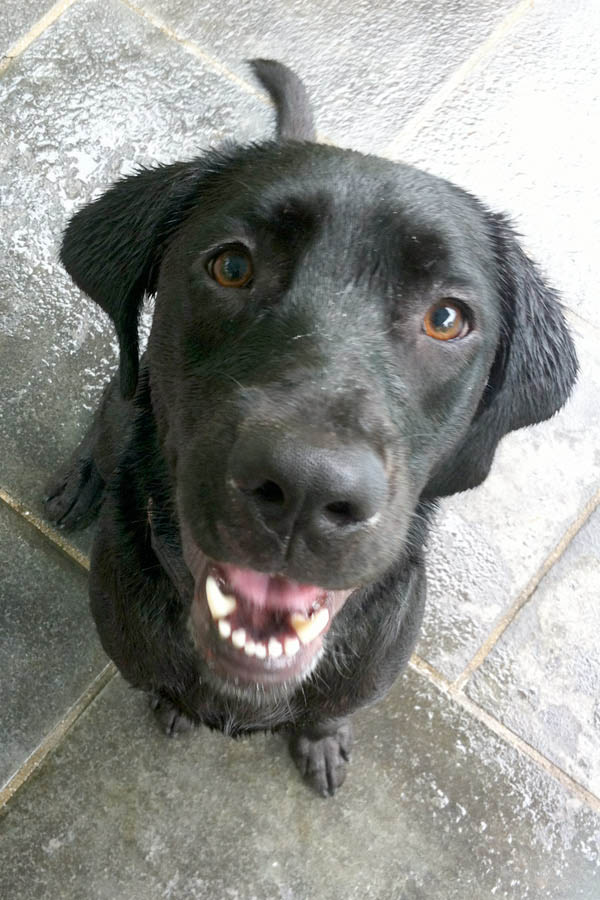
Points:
point(234, 674)
point(230, 665)
point(233, 667)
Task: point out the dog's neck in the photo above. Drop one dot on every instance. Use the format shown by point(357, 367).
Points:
point(166, 544)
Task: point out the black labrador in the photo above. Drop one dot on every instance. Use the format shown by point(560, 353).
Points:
point(338, 341)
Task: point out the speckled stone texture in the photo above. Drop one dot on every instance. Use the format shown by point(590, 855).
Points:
point(18, 16)
point(369, 66)
point(543, 678)
point(48, 649)
point(522, 134)
point(435, 807)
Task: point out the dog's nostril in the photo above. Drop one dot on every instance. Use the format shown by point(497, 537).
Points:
point(342, 513)
point(269, 492)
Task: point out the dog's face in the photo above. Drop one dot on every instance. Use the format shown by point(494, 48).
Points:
point(322, 338)
point(335, 338)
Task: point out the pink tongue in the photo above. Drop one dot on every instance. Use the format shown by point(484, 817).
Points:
point(269, 591)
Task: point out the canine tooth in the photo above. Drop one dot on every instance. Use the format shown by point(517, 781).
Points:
point(260, 650)
point(220, 604)
point(291, 646)
point(275, 649)
point(224, 628)
point(238, 638)
point(250, 648)
point(308, 629)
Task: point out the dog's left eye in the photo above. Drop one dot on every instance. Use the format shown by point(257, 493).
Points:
point(446, 321)
point(231, 268)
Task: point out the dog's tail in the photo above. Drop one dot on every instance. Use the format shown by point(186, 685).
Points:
point(294, 115)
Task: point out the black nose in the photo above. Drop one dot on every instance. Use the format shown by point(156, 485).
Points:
point(322, 486)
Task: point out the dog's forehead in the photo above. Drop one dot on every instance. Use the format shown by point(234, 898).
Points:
point(365, 203)
point(333, 181)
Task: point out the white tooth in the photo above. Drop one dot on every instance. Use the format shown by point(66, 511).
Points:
point(275, 648)
point(250, 648)
point(220, 604)
point(308, 629)
point(224, 628)
point(238, 638)
point(291, 646)
point(260, 650)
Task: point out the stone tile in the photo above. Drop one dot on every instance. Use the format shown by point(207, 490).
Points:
point(48, 647)
point(18, 16)
point(97, 94)
point(435, 806)
point(491, 541)
point(368, 66)
point(522, 134)
point(543, 677)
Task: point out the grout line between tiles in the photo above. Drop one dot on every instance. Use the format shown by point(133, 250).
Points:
point(51, 741)
point(510, 737)
point(439, 97)
point(50, 533)
point(210, 61)
point(34, 32)
point(423, 668)
point(218, 67)
point(516, 607)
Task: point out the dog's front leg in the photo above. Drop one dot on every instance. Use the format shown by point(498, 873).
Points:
point(320, 745)
point(322, 753)
point(74, 493)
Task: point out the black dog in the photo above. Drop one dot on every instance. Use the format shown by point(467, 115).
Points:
point(338, 340)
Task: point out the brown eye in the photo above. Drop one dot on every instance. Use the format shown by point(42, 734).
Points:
point(445, 321)
point(231, 268)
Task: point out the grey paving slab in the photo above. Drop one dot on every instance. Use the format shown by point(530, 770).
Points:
point(435, 807)
point(18, 16)
point(522, 133)
point(97, 94)
point(489, 542)
point(49, 651)
point(543, 677)
point(369, 66)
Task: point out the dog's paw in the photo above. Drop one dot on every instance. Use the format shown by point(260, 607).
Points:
point(323, 760)
point(170, 718)
point(73, 496)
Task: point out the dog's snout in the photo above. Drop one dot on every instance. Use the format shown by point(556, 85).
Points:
point(296, 484)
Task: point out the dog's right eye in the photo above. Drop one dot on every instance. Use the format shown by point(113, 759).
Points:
point(231, 268)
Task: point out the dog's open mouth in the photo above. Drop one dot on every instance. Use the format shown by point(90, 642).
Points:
point(254, 627)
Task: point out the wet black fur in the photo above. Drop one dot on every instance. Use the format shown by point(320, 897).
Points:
point(349, 251)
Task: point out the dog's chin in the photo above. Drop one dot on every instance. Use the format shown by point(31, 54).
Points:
point(256, 631)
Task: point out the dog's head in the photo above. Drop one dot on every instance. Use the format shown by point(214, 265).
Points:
point(336, 338)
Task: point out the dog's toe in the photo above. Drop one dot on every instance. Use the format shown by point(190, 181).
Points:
point(171, 719)
point(323, 760)
point(73, 496)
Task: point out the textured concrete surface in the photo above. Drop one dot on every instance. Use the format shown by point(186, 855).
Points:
point(18, 16)
point(48, 649)
point(369, 66)
point(480, 775)
point(435, 806)
point(522, 135)
point(543, 678)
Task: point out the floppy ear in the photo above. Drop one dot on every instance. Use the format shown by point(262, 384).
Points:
point(112, 248)
point(533, 372)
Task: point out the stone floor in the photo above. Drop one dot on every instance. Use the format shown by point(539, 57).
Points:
point(479, 775)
